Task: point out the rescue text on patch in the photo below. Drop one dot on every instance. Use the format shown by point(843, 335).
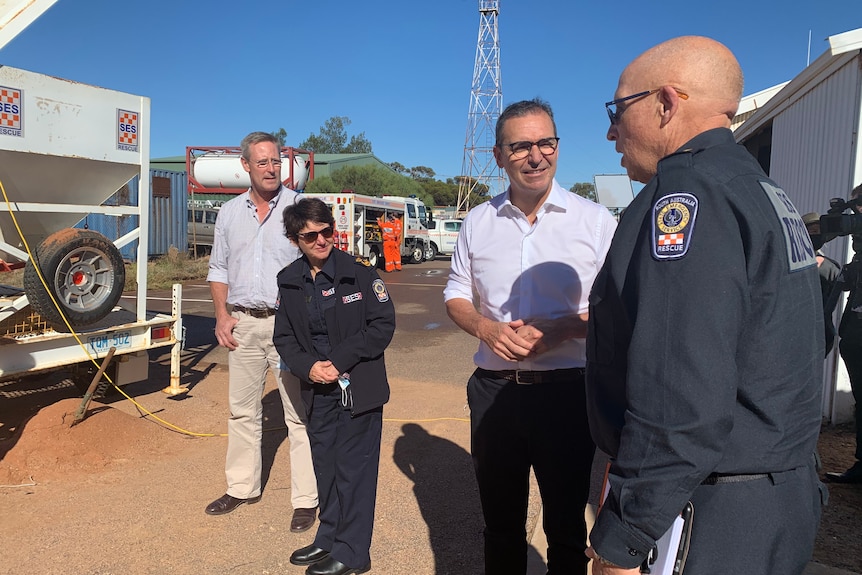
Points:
point(674, 217)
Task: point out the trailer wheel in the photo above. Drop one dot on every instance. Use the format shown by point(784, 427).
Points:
point(84, 273)
point(417, 254)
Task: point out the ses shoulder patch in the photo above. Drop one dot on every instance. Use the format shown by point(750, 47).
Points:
point(379, 289)
point(363, 261)
point(673, 218)
point(800, 251)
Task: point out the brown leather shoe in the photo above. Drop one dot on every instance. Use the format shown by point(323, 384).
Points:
point(303, 519)
point(227, 503)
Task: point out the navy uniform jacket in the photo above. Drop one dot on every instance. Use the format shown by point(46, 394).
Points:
point(360, 325)
point(705, 341)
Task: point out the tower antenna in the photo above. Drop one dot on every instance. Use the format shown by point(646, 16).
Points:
point(486, 103)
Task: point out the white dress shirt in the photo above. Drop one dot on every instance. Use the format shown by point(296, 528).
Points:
point(523, 271)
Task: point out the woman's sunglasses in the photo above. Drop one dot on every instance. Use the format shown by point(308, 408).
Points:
point(311, 237)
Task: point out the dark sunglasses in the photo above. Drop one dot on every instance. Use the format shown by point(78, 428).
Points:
point(311, 237)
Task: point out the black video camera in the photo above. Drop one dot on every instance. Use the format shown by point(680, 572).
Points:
point(837, 223)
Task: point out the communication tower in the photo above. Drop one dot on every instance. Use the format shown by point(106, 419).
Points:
point(486, 103)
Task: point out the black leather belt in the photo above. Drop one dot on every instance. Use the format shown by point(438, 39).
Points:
point(525, 377)
point(722, 478)
point(260, 313)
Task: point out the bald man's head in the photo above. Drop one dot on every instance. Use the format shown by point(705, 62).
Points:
point(701, 67)
point(670, 94)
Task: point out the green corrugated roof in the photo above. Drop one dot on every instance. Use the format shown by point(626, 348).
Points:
point(171, 163)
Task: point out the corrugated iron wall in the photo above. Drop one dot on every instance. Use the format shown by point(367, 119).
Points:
point(168, 220)
point(815, 157)
point(812, 142)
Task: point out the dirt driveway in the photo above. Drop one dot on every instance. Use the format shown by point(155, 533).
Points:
point(122, 493)
point(119, 493)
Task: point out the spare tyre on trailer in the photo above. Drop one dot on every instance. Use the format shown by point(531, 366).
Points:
point(82, 278)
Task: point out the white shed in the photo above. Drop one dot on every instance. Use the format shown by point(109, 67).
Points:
point(806, 137)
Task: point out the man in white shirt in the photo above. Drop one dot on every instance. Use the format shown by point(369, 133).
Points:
point(531, 254)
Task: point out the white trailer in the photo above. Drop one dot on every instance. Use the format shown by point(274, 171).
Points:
point(65, 148)
point(358, 232)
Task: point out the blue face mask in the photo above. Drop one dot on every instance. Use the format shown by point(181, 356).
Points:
point(346, 395)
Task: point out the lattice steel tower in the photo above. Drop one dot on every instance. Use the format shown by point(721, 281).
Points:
point(486, 103)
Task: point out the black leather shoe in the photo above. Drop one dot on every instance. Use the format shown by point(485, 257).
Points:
point(227, 503)
point(303, 519)
point(332, 566)
point(308, 555)
point(852, 475)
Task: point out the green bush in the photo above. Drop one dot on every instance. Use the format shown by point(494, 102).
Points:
point(173, 267)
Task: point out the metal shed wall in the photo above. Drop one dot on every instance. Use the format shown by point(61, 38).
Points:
point(811, 140)
point(168, 222)
point(814, 158)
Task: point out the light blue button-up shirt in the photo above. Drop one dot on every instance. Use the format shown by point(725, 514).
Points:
point(248, 254)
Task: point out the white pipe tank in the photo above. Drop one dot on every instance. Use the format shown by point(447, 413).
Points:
point(224, 170)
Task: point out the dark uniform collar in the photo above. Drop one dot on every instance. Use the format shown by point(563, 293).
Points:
point(327, 270)
point(339, 265)
point(704, 140)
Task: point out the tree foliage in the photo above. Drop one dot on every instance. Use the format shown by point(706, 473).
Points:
point(369, 181)
point(585, 190)
point(422, 173)
point(281, 135)
point(399, 167)
point(376, 181)
point(332, 139)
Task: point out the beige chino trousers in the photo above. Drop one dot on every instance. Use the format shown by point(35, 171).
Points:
point(248, 365)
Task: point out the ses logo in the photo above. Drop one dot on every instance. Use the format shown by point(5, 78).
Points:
point(127, 130)
point(11, 112)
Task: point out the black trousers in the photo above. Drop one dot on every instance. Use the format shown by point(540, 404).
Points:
point(346, 455)
point(851, 353)
point(760, 527)
point(515, 427)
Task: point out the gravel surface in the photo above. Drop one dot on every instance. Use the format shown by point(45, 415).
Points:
point(121, 493)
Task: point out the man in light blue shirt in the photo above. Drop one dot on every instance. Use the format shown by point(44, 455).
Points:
point(249, 249)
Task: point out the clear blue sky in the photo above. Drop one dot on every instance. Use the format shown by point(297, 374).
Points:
point(401, 70)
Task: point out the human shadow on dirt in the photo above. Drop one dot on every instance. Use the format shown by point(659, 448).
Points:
point(274, 433)
point(448, 498)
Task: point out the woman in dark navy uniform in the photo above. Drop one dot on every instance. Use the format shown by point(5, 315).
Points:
point(333, 322)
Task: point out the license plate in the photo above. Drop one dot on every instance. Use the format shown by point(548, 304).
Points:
point(117, 339)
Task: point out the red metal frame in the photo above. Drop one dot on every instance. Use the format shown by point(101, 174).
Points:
point(193, 152)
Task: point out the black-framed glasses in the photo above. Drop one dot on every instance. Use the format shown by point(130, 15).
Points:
point(520, 150)
point(614, 114)
point(311, 237)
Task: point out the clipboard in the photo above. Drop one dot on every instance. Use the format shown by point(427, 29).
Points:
point(671, 550)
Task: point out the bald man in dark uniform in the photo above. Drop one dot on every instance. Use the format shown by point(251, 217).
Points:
point(700, 384)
